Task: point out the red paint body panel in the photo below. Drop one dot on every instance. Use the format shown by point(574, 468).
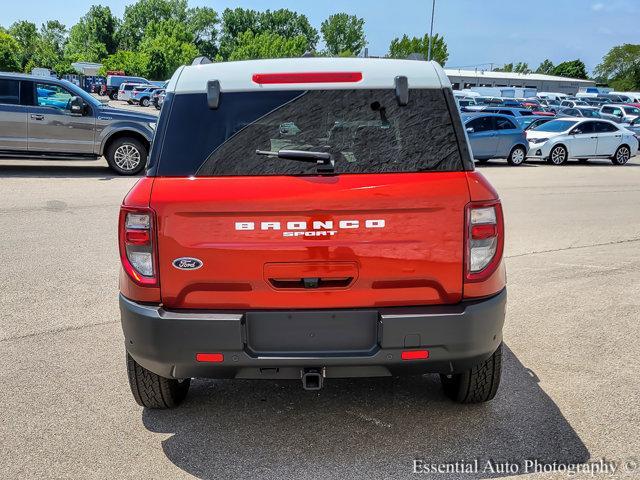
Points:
point(480, 189)
point(416, 259)
point(129, 289)
point(140, 193)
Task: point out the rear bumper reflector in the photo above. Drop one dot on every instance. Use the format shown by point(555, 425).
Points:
point(415, 354)
point(209, 357)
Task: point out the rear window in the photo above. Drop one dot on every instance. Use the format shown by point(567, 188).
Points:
point(365, 131)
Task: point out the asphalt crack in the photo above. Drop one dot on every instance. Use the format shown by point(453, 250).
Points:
point(575, 247)
point(58, 330)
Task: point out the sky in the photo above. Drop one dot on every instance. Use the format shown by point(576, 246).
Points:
point(477, 32)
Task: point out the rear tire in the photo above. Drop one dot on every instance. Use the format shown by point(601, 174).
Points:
point(558, 155)
point(622, 155)
point(477, 385)
point(126, 156)
point(144, 102)
point(113, 96)
point(153, 391)
point(517, 156)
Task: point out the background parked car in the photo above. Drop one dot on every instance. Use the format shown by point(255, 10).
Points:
point(533, 121)
point(558, 140)
point(628, 97)
point(49, 118)
point(126, 90)
point(573, 103)
point(595, 101)
point(587, 112)
point(488, 101)
point(142, 96)
point(537, 109)
point(495, 136)
point(620, 113)
point(634, 127)
point(510, 111)
point(611, 98)
point(114, 81)
point(155, 98)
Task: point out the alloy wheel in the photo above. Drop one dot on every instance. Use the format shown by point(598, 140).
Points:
point(622, 155)
point(127, 157)
point(558, 156)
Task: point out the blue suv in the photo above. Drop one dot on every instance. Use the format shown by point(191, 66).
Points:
point(496, 136)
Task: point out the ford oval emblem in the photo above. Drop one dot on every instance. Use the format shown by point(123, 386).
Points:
point(187, 263)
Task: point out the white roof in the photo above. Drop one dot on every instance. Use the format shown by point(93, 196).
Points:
point(512, 75)
point(376, 73)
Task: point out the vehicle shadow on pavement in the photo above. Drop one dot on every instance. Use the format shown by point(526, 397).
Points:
point(69, 170)
point(360, 428)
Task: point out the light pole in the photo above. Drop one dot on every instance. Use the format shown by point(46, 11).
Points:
point(433, 9)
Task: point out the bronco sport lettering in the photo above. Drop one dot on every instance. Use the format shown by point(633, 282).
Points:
point(309, 229)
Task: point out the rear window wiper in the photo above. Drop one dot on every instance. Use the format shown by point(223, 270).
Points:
point(324, 161)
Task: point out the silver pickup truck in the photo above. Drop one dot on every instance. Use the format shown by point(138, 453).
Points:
point(43, 117)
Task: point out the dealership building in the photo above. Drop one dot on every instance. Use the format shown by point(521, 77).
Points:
point(461, 79)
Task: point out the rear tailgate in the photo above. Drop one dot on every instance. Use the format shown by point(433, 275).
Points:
point(311, 242)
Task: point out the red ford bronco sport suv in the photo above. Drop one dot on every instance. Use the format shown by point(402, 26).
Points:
point(311, 219)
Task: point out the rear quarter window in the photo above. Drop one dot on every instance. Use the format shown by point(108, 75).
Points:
point(365, 131)
point(9, 92)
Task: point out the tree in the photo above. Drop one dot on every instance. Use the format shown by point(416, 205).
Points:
point(343, 34)
point(288, 24)
point(507, 67)
point(620, 67)
point(167, 45)
point(26, 34)
point(137, 17)
point(9, 56)
point(546, 67)
point(94, 36)
point(203, 24)
point(234, 23)
point(405, 46)
point(132, 63)
point(83, 46)
point(283, 23)
point(49, 48)
point(571, 69)
point(268, 45)
point(522, 67)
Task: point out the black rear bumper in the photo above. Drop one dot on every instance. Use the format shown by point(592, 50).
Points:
point(343, 343)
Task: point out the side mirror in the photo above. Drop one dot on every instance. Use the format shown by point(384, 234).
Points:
point(470, 130)
point(76, 105)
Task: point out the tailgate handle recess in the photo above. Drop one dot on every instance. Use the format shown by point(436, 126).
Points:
point(311, 282)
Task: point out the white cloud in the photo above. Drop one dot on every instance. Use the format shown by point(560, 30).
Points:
point(596, 7)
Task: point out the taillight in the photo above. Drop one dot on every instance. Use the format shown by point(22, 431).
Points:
point(484, 239)
point(137, 246)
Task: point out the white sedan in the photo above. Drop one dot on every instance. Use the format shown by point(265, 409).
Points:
point(581, 138)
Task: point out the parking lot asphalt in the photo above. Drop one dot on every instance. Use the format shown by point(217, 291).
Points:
point(569, 392)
